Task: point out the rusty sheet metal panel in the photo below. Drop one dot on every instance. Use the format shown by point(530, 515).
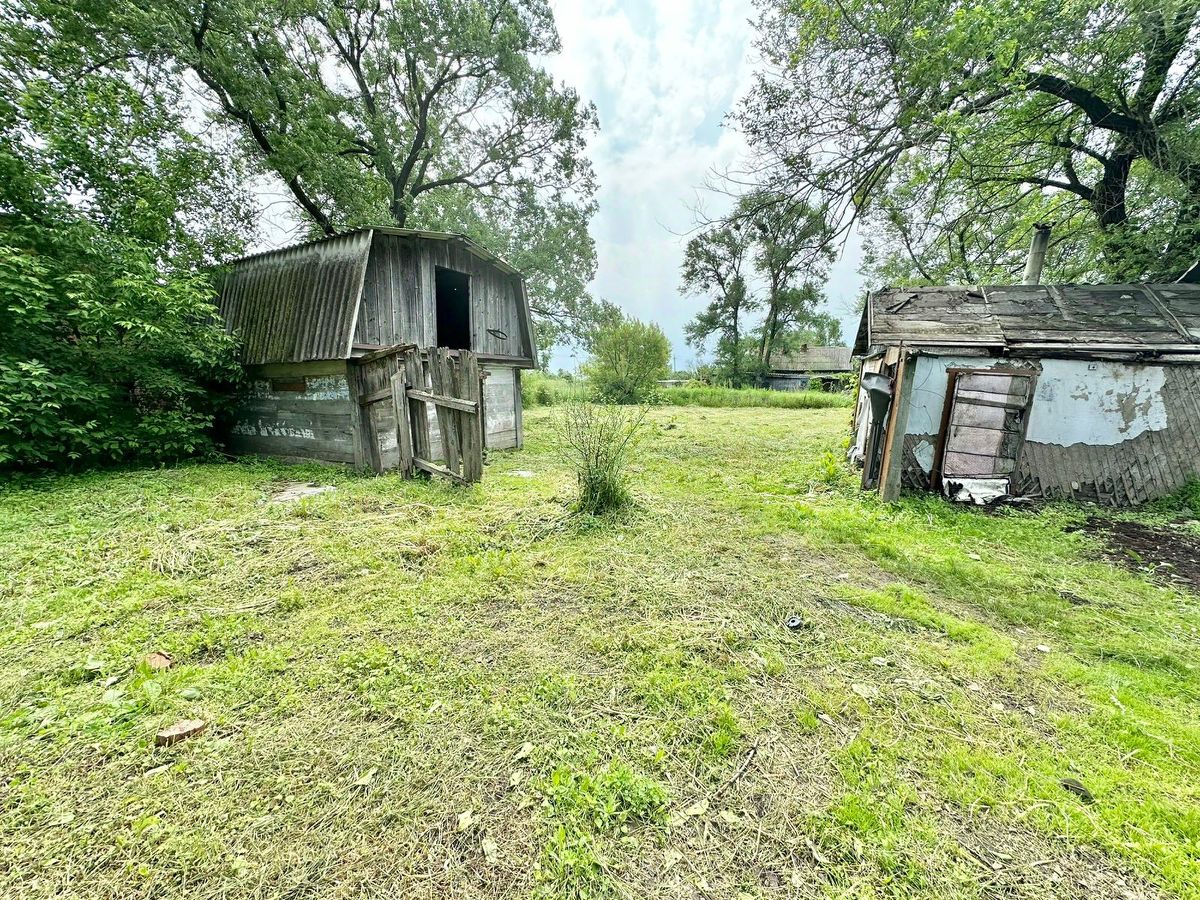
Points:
point(299, 303)
point(1115, 317)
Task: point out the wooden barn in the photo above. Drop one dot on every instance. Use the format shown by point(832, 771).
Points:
point(339, 341)
point(821, 368)
point(1088, 392)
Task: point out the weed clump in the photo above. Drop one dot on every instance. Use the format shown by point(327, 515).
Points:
point(596, 440)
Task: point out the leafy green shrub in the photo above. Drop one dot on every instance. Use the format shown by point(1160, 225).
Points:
point(110, 346)
point(101, 357)
point(596, 440)
point(628, 358)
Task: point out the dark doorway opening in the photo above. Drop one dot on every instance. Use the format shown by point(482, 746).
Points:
point(453, 294)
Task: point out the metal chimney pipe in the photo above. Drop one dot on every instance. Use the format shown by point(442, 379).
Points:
point(1037, 255)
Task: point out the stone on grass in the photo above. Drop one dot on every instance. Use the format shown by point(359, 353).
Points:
point(158, 660)
point(180, 731)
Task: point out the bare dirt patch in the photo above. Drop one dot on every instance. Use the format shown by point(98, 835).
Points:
point(1166, 552)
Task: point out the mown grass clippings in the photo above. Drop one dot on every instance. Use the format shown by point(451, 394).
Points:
point(414, 690)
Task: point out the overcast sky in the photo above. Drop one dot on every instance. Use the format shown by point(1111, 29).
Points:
point(662, 74)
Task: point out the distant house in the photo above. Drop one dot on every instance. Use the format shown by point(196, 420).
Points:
point(311, 316)
point(809, 367)
point(1090, 392)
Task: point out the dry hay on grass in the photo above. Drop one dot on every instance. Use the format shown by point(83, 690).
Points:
point(1017, 863)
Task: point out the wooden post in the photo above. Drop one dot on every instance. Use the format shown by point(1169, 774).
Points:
point(893, 451)
point(403, 425)
point(518, 409)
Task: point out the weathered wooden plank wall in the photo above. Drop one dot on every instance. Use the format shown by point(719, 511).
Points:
point(295, 411)
point(398, 297)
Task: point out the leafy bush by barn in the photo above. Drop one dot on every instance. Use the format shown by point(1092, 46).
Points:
point(110, 349)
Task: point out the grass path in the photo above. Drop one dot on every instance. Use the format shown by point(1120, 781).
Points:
point(421, 691)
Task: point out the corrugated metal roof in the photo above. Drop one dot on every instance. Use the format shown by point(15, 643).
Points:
point(1117, 317)
point(300, 302)
point(814, 359)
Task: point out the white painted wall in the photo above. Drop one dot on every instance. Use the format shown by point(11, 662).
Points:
point(1095, 403)
point(1074, 402)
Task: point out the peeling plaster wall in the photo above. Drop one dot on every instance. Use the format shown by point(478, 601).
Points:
point(1097, 403)
point(1111, 432)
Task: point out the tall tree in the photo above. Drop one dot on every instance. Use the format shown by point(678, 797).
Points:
point(423, 113)
point(789, 240)
point(714, 265)
point(951, 127)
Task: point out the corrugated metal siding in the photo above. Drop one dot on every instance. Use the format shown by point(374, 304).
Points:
point(1151, 465)
point(298, 303)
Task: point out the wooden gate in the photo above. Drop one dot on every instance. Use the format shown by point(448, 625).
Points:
point(421, 410)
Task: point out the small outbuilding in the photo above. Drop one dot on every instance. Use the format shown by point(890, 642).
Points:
point(821, 368)
point(1088, 392)
point(327, 327)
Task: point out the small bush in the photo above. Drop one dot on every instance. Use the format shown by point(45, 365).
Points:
point(627, 361)
point(540, 389)
point(596, 440)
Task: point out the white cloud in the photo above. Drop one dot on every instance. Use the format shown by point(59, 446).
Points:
point(662, 74)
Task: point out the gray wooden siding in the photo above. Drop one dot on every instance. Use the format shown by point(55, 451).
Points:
point(500, 405)
point(297, 411)
point(398, 297)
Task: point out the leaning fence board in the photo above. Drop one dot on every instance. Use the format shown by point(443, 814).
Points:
point(439, 375)
point(440, 400)
point(471, 386)
point(403, 424)
point(419, 413)
point(434, 469)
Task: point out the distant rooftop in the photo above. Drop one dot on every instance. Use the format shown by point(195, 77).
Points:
point(813, 359)
point(1161, 318)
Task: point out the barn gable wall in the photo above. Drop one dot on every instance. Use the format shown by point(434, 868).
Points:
point(398, 297)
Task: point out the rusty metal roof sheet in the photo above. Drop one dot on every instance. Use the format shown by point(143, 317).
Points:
point(300, 302)
point(1107, 317)
point(814, 359)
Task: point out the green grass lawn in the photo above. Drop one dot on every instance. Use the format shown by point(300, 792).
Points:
point(416, 690)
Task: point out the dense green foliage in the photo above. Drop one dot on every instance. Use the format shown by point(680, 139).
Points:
point(716, 266)
point(718, 397)
point(109, 346)
point(539, 389)
point(542, 389)
point(627, 360)
point(946, 130)
point(769, 240)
